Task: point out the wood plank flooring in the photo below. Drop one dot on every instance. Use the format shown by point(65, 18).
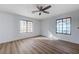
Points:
point(39, 45)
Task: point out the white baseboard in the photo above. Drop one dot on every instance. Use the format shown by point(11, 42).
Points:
point(18, 38)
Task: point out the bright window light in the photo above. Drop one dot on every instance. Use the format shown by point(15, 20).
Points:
point(63, 25)
point(26, 26)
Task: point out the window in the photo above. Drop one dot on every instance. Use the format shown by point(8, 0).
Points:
point(63, 25)
point(29, 27)
point(26, 26)
point(22, 26)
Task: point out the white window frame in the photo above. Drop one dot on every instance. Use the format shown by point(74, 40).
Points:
point(27, 27)
point(62, 30)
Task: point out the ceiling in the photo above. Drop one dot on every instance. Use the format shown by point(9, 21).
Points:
point(26, 9)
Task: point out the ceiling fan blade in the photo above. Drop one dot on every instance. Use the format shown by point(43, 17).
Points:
point(39, 13)
point(38, 7)
point(41, 7)
point(46, 12)
point(46, 7)
point(35, 11)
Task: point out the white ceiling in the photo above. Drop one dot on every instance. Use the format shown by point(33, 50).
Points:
point(26, 9)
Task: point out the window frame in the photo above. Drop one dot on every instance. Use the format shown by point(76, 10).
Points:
point(27, 26)
point(62, 26)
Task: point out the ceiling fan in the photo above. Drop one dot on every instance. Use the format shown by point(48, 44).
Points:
point(42, 9)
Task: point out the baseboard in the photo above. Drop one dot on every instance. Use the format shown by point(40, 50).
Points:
point(71, 41)
point(19, 39)
point(75, 42)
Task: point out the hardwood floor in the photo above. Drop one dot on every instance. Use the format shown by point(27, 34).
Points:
point(39, 45)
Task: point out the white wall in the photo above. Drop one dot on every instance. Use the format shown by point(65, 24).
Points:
point(49, 27)
point(9, 27)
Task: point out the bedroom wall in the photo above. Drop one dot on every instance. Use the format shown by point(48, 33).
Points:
point(48, 28)
point(9, 27)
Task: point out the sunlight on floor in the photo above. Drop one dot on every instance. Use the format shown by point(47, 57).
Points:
point(51, 36)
